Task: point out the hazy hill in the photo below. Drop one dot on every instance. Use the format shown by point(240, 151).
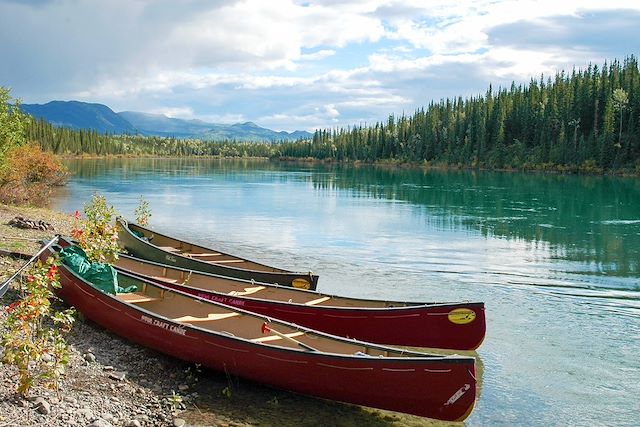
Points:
point(158, 124)
point(80, 115)
point(83, 115)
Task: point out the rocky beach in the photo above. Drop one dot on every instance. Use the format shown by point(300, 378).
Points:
point(112, 382)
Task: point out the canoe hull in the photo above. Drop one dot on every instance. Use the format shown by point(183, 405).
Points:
point(435, 326)
point(442, 388)
point(146, 250)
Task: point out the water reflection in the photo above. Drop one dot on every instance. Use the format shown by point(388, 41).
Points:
point(593, 221)
point(555, 258)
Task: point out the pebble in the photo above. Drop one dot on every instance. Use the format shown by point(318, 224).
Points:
point(42, 406)
point(89, 357)
point(85, 412)
point(99, 423)
point(142, 418)
point(179, 422)
point(133, 423)
point(118, 376)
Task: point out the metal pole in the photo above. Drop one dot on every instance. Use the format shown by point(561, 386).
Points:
point(5, 284)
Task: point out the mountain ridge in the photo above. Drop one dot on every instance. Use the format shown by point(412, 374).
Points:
point(101, 118)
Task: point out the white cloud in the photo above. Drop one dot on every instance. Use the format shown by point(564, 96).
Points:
point(295, 63)
point(174, 112)
point(331, 111)
point(318, 55)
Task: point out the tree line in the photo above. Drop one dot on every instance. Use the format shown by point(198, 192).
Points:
point(587, 121)
point(66, 141)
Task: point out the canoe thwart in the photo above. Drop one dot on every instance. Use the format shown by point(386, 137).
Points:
point(204, 254)
point(226, 261)
point(210, 316)
point(164, 279)
point(169, 248)
point(277, 337)
point(317, 301)
point(247, 291)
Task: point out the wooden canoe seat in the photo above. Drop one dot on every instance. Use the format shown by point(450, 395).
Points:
point(247, 291)
point(169, 248)
point(317, 301)
point(210, 316)
point(193, 255)
point(276, 337)
point(136, 297)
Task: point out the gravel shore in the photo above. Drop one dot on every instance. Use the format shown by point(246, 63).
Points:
point(112, 382)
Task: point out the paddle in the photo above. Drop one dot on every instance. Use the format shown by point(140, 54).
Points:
point(265, 328)
point(5, 284)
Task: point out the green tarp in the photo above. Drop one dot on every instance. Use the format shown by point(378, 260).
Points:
point(102, 276)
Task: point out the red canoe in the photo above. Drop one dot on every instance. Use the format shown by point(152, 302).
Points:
point(455, 326)
point(279, 354)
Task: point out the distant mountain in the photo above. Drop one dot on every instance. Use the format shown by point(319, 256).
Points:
point(82, 115)
point(161, 125)
point(158, 124)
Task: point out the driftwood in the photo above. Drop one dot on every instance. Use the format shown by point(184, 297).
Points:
point(21, 222)
point(13, 254)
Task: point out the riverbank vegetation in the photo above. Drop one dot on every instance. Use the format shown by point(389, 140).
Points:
point(585, 121)
point(27, 173)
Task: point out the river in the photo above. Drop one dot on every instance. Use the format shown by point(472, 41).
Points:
point(555, 258)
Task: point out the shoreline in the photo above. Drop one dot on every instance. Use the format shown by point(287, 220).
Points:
point(583, 170)
point(112, 382)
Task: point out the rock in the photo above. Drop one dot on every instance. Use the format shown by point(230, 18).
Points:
point(99, 423)
point(42, 406)
point(183, 387)
point(70, 400)
point(179, 422)
point(133, 423)
point(142, 418)
point(89, 357)
point(85, 412)
point(116, 375)
point(21, 222)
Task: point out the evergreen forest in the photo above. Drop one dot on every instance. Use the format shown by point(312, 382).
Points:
point(587, 121)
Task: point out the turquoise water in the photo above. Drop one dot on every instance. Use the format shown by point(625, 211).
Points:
point(556, 259)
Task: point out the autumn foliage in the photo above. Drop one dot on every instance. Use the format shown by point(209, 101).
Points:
point(32, 333)
point(29, 175)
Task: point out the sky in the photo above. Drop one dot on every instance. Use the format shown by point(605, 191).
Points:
point(298, 65)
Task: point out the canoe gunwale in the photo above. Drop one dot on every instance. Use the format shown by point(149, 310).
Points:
point(270, 274)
